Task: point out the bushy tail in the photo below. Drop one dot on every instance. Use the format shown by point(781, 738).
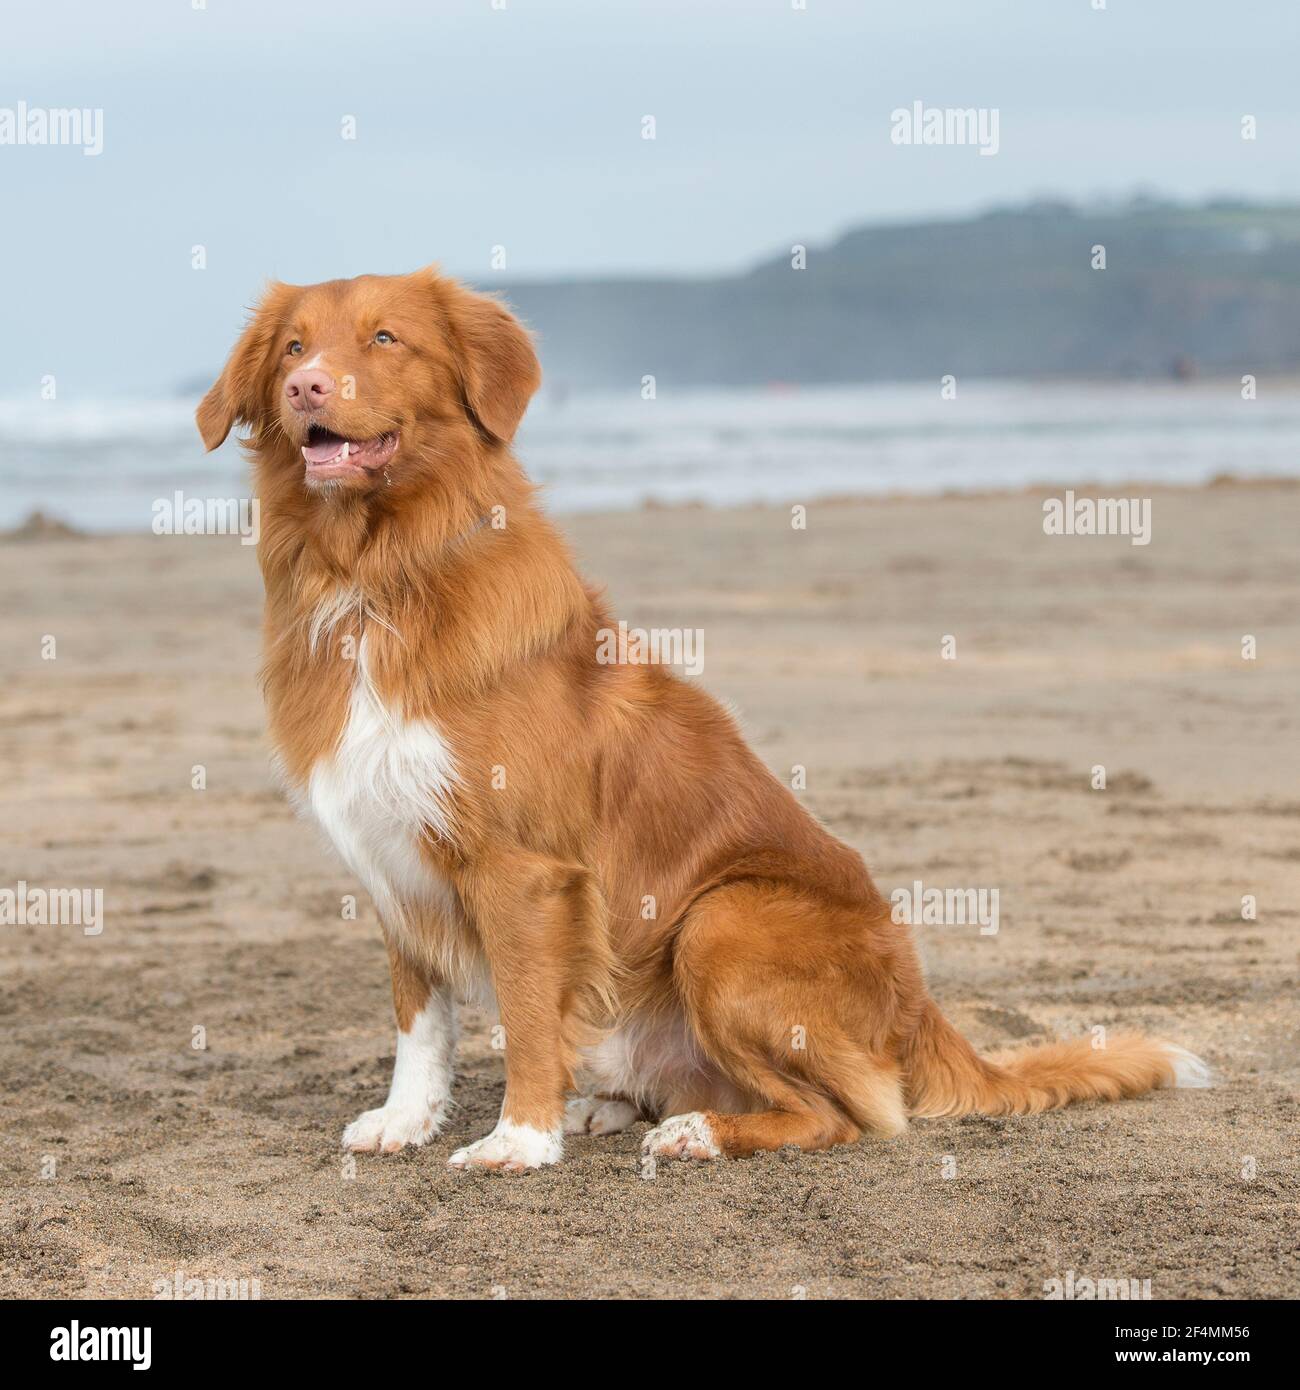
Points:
point(945, 1076)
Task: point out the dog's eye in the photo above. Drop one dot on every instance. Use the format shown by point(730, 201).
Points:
point(384, 337)
point(295, 348)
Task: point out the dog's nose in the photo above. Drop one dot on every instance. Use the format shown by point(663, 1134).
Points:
point(308, 388)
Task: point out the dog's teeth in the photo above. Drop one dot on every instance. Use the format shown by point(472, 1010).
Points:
point(345, 449)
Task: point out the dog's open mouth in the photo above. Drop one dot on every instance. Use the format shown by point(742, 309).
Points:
point(330, 455)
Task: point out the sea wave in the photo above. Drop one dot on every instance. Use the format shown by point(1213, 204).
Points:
point(102, 464)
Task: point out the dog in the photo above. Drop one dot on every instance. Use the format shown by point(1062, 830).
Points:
point(588, 848)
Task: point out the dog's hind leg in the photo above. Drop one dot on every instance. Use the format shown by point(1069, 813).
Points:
point(776, 987)
point(707, 1134)
point(599, 1115)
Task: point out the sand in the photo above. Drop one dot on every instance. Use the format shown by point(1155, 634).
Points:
point(128, 1155)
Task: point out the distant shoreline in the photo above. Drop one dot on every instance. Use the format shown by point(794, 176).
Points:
point(46, 525)
point(105, 468)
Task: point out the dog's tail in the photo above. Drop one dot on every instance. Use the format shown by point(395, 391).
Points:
point(945, 1076)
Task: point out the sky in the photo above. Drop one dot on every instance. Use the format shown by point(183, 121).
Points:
point(520, 127)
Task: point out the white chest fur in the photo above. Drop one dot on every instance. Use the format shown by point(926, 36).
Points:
point(387, 788)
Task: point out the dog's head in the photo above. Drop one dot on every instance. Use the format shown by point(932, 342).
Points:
point(357, 384)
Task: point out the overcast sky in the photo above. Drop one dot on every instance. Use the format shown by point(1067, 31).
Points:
point(479, 127)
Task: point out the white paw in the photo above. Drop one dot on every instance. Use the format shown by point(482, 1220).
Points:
point(613, 1116)
point(512, 1148)
point(591, 1115)
point(392, 1127)
point(578, 1113)
point(682, 1136)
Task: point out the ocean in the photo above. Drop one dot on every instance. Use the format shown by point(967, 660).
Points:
point(100, 466)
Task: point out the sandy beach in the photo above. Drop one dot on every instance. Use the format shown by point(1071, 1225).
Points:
point(130, 1156)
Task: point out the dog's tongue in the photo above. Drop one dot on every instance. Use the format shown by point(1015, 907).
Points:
point(328, 447)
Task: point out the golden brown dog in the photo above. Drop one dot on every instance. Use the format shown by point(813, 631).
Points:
point(590, 844)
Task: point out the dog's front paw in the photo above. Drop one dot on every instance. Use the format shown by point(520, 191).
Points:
point(511, 1148)
point(392, 1127)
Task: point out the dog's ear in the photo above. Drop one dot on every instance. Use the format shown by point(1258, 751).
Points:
point(499, 371)
point(236, 395)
